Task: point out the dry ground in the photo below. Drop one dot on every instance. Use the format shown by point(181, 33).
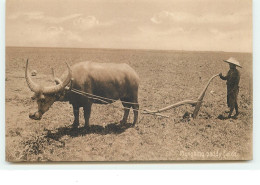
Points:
point(166, 78)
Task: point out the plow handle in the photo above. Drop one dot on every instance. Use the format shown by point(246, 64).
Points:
point(201, 96)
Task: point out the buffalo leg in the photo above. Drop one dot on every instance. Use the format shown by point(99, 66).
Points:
point(76, 116)
point(126, 113)
point(135, 109)
point(87, 111)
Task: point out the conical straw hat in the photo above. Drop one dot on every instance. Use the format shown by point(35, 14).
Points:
point(232, 60)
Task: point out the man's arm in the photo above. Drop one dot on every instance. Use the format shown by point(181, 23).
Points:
point(223, 77)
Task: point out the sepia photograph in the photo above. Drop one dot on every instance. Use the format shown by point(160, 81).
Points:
point(128, 80)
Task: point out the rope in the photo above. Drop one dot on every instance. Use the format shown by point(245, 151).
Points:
point(100, 97)
point(95, 97)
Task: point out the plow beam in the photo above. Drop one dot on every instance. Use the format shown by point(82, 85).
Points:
point(197, 103)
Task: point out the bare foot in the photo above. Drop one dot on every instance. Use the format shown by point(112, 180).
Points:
point(235, 116)
point(122, 122)
point(86, 126)
point(75, 125)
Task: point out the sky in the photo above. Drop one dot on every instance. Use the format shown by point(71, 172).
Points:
point(195, 25)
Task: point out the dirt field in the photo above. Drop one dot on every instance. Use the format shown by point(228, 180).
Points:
point(166, 77)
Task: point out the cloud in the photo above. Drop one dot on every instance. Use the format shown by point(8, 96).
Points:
point(196, 30)
point(39, 35)
point(41, 17)
point(165, 16)
point(230, 30)
point(183, 24)
point(86, 22)
point(26, 16)
point(58, 33)
point(209, 18)
point(72, 21)
point(41, 29)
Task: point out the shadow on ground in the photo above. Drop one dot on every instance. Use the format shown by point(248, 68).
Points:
point(111, 128)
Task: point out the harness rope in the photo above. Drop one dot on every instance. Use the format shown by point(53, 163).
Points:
point(100, 98)
point(95, 97)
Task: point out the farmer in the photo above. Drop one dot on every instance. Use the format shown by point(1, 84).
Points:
point(232, 77)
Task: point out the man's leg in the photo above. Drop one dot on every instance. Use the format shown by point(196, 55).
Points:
point(231, 111)
point(236, 108)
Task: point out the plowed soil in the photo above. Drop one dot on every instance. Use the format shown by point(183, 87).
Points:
point(167, 77)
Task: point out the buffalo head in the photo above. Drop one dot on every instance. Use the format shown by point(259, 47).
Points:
point(46, 96)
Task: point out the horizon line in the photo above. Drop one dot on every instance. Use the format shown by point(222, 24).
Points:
point(180, 50)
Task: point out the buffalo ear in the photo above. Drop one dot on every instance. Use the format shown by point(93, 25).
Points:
point(38, 96)
point(68, 88)
point(57, 81)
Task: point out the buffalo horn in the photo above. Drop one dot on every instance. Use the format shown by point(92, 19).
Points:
point(33, 86)
point(47, 90)
point(59, 87)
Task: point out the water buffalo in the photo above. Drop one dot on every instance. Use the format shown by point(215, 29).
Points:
point(109, 80)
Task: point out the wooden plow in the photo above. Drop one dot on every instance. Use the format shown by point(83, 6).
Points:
point(197, 103)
